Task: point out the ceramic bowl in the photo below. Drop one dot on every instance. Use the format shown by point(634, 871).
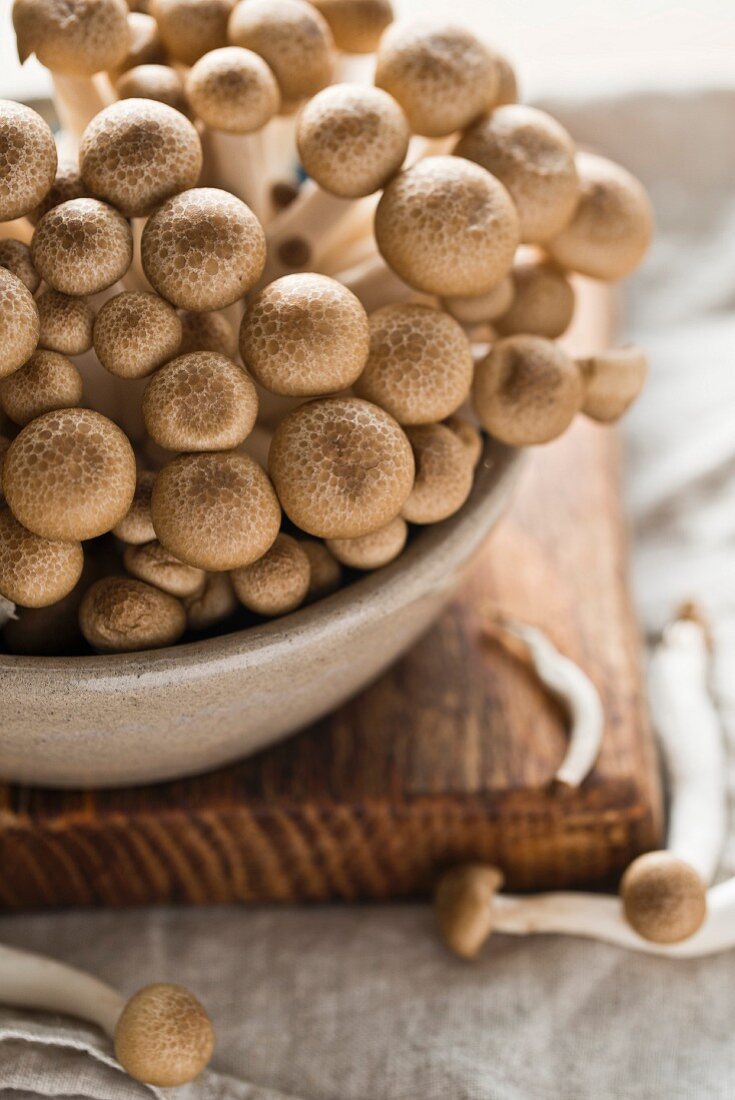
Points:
point(162, 714)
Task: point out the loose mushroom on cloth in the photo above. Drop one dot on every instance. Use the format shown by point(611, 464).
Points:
point(365, 1004)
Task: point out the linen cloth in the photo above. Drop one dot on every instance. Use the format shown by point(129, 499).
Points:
point(363, 1003)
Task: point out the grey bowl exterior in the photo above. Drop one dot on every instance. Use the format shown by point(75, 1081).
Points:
point(162, 714)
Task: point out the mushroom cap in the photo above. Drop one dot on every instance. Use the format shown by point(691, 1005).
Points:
point(136, 526)
point(342, 467)
point(481, 308)
point(464, 907)
point(527, 391)
point(444, 474)
point(135, 333)
point(136, 153)
point(293, 38)
point(613, 379)
point(215, 603)
point(664, 898)
point(233, 89)
point(305, 335)
point(216, 511)
point(152, 563)
point(441, 74)
point(82, 246)
point(612, 225)
point(69, 474)
point(277, 583)
point(121, 615)
point(47, 381)
point(447, 227)
point(89, 36)
point(68, 184)
point(200, 402)
point(356, 25)
point(19, 323)
point(203, 249)
point(507, 81)
point(15, 257)
point(374, 550)
point(469, 436)
point(207, 332)
point(191, 28)
point(156, 82)
point(533, 155)
point(543, 302)
point(4, 445)
point(420, 364)
point(352, 139)
point(35, 572)
point(325, 574)
point(28, 160)
point(66, 323)
point(144, 43)
point(164, 1037)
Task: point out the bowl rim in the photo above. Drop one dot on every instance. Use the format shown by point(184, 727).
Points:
point(349, 606)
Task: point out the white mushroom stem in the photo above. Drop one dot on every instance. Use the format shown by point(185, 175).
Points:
point(20, 230)
point(574, 690)
point(77, 100)
point(135, 277)
point(237, 163)
point(693, 745)
point(279, 149)
point(375, 284)
point(7, 611)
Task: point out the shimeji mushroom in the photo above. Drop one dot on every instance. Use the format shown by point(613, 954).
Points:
point(277, 583)
point(444, 473)
point(447, 227)
point(154, 565)
point(123, 615)
point(190, 28)
point(66, 323)
point(611, 227)
point(481, 309)
point(527, 390)
point(612, 379)
point(542, 303)
point(215, 511)
point(135, 333)
point(4, 445)
point(420, 364)
point(34, 571)
point(342, 467)
point(507, 81)
point(68, 184)
point(325, 575)
point(203, 249)
point(215, 603)
point(69, 474)
point(28, 160)
point(468, 434)
point(82, 246)
point(157, 82)
point(374, 550)
point(136, 526)
point(305, 335)
point(200, 402)
point(356, 25)
point(162, 1035)
point(207, 332)
point(15, 257)
point(47, 381)
point(144, 45)
point(533, 155)
point(20, 325)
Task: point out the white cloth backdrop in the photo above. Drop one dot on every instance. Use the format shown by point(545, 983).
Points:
point(363, 1004)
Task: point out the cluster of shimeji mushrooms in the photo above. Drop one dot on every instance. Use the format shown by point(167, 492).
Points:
point(256, 382)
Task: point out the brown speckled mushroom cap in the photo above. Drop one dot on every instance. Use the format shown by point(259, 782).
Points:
point(215, 603)
point(325, 574)
point(469, 435)
point(612, 225)
point(352, 139)
point(135, 333)
point(136, 526)
point(278, 582)
point(15, 257)
point(27, 160)
point(527, 390)
point(82, 246)
point(122, 615)
point(533, 155)
point(19, 323)
point(191, 28)
point(420, 364)
point(342, 467)
point(374, 550)
point(507, 81)
point(443, 474)
point(144, 43)
point(200, 402)
point(203, 249)
point(136, 153)
point(81, 38)
point(153, 564)
point(664, 898)
point(4, 445)
point(47, 381)
point(157, 82)
point(447, 227)
point(356, 25)
point(216, 511)
point(441, 74)
point(35, 572)
point(66, 323)
point(69, 474)
point(68, 184)
point(305, 335)
point(293, 38)
point(481, 308)
point(164, 1037)
point(207, 332)
point(543, 301)
point(234, 90)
